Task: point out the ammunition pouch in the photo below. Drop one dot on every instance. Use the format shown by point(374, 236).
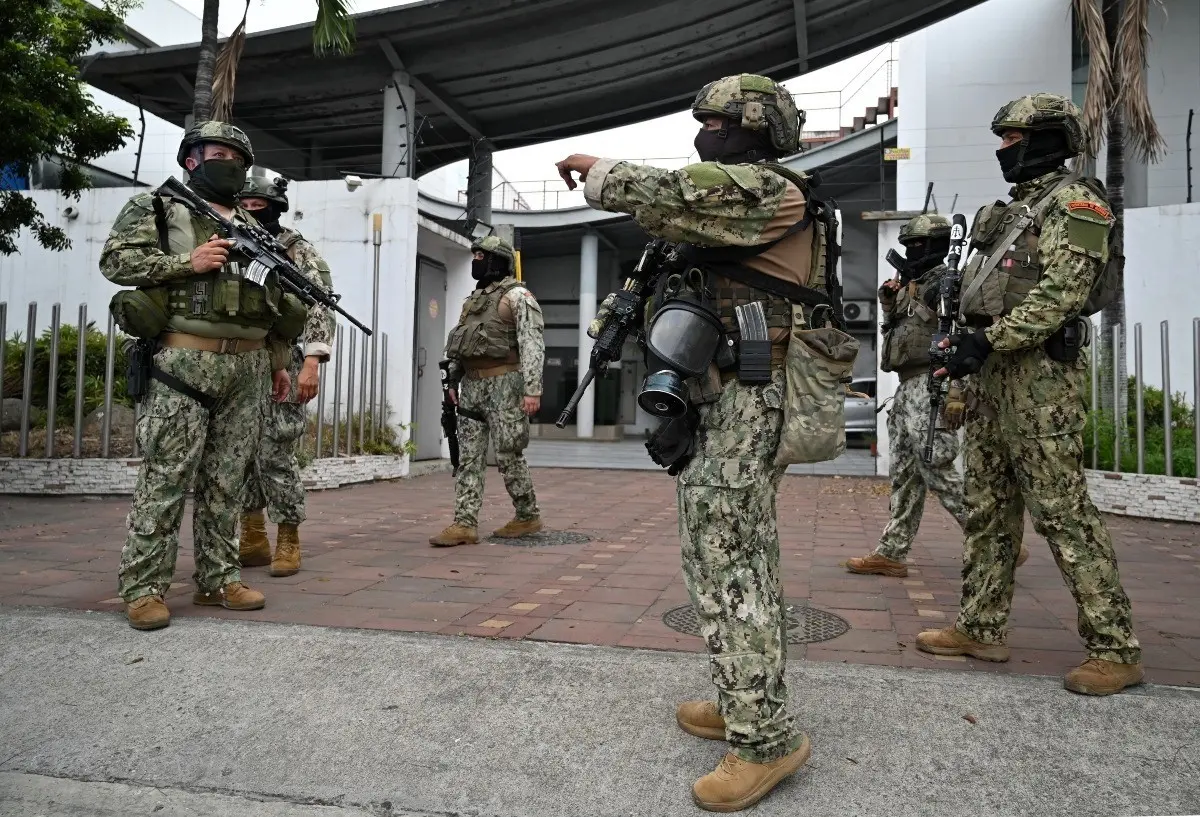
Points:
point(1066, 344)
point(140, 313)
point(293, 314)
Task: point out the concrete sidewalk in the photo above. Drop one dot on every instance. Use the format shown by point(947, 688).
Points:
point(283, 720)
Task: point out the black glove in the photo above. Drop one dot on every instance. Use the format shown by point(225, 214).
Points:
point(969, 354)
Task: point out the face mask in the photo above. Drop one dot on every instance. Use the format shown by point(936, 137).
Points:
point(738, 146)
point(1009, 159)
point(268, 217)
point(1039, 153)
point(218, 180)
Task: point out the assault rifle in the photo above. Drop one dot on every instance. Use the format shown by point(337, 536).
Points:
point(947, 310)
point(627, 312)
point(449, 416)
point(265, 253)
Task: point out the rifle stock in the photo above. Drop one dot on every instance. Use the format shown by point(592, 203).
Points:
point(948, 295)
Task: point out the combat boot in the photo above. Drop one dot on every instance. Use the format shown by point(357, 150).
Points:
point(1023, 556)
point(737, 784)
point(702, 719)
point(949, 641)
point(233, 596)
point(254, 549)
point(518, 527)
point(147, 613)
point(287, 551)
point(456, 534)
point(1096, 676)
point(875, 564)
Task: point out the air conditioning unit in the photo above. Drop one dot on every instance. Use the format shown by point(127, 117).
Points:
point(858, 312)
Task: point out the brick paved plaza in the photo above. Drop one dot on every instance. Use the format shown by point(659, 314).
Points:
point(367, 564)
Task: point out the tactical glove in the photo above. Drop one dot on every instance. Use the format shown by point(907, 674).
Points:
point(954, 407)
point(971, 350)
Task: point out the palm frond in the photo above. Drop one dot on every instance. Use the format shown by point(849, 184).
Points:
point(333, 32)
point(1142, 131)
point(1100, 90)
point(225, 73)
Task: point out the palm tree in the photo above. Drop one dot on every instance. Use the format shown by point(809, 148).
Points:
point(333, 33)
point(1116, 106)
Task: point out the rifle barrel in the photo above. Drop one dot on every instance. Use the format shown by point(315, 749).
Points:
point(561, 422)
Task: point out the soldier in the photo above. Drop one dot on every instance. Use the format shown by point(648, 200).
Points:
point(907, 333)
point(753, 231)
point(1040, 262)
point(219, 334)
point(496, 354)
point(274, 476)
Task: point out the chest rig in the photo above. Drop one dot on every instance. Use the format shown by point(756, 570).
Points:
point(909, 327)
point(483, 330)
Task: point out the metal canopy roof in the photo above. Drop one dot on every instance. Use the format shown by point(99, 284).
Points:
point(513, 72)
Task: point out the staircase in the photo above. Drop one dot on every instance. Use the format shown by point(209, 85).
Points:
point(885, 108)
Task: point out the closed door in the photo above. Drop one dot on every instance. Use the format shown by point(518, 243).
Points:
point(428, 343)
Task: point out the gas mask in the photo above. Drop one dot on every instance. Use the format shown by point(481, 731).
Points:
point(684, 337)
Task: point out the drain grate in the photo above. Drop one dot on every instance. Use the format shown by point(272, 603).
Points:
point(544, 538)
point(805, 625)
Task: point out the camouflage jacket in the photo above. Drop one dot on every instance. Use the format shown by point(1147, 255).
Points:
point(321, 325)
point(531, 344)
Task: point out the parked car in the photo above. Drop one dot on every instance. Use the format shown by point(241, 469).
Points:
point(860, 411)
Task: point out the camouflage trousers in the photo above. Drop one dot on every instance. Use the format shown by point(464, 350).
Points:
point(911, 476)
point(1031, 456)
point(273, 481)
point(183, 444)
point(730, 544)
point(498, 399)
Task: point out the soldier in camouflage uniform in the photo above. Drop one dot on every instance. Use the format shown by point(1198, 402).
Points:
point(911, 321)
point(219, 335)
point(274, 477)
point(726, 491)
point(496, 353)
point(1040, 262)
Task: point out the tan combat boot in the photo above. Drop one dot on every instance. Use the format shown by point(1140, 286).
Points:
point(254, 549)
point(702, 719)
point(147, 613)
point(456, 534)
point(518, 527)
point(287, 551)
point(874, 564)
point(949, 641)
point(1096, 676)
point(1023, 556)
point(233, 596)
point(737, 784)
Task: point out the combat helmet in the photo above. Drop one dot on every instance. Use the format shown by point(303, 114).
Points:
point(926, 225)
point(1043, 111)
point(497, 246)
point(275, 192)
point(755, 102)
point(222, 133)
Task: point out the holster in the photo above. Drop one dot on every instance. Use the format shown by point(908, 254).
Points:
point(976, 405)
point(1066, 345)
point(672, 444)
point(139, 360)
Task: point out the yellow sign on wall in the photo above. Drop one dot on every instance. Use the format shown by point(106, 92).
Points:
point(892, 154)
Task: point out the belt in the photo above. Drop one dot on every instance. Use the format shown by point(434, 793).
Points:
point(224, 346)
point(493, 371)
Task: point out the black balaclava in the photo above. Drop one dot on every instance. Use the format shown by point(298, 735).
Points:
point(733, 145)
point(489, 269)
point(268, 217)
point(1038, 153)
point(922, 255)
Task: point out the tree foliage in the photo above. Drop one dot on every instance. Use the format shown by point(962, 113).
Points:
point(48, 112)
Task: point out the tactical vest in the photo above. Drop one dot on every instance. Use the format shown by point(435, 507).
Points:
point(910, 328)
point(216, 304)
point(994, 293)
point(483, 331)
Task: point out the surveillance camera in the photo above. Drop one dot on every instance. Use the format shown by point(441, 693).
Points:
point(70, 213)
point(353, 182)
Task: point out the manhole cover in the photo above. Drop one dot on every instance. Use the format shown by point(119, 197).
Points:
point(805, 625)
point(544, 538)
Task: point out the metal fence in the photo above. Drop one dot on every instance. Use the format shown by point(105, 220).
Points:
point(354, 419)
point(1131, 443)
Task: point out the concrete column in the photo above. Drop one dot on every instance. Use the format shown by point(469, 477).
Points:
point(399, 109)
point(585, 415)
point(479, 182)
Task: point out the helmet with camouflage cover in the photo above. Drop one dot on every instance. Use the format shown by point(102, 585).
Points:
point(926, 225)
point(1043, 111)
point(756, 103)
point(275, 192)
point(496, 245)
point(222, 133)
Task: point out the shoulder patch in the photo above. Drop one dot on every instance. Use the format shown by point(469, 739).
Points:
point(1074, 207)
point(706, 175)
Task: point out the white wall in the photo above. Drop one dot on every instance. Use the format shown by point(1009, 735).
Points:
point(886, 382)
point(957, 74)
point(1173, 85)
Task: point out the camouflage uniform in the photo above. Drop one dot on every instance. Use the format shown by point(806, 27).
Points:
point(185, 445)
point(492, 387)
point(726, 492)
point(1024, 446)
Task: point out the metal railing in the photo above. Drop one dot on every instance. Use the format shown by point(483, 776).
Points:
point(56, 407)
point(1120, 440)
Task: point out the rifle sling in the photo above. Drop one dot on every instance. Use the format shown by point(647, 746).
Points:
point(471, 414)
point(206, 401)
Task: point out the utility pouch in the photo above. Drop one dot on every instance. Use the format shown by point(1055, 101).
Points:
point(673, 442)
point(1066, 345)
